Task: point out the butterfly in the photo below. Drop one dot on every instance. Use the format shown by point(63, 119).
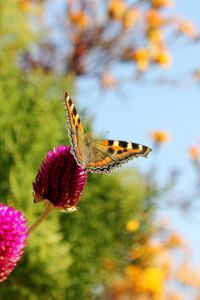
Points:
point(95, 155)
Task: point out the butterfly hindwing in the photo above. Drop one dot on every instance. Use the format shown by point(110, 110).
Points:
point(113, 153)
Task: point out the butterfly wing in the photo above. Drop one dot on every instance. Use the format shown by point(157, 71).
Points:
point(76, 131)
point(109, 154)
point(95, 155)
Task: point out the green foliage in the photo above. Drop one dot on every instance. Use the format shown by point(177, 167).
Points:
point(14, 29)
point(97, 232)
point(32, 123)
point(65, 258)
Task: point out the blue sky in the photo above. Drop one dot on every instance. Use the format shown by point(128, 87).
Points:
point(132, 111)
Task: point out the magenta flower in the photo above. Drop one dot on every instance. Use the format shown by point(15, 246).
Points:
point(13, 235)
point(60, 179)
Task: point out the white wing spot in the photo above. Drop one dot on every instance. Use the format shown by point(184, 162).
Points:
point(116, 143)
point(129, 146)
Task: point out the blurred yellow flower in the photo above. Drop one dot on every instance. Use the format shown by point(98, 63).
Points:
point(116, 9)
point(153, 249)
point(187, 28)
point(131, 16)
point(108, 81)
point(155, 36)
point(80, 19)
point(149, 279)
point(174, 240)
point(163, 58)
point(146, 252)
point(154, 18)
point(152, 280)
point(160, 136)
point(138, 251)
point(161, 3)
point(109, 264)
point(133, 273)
point(25, 5)
point(194, 152)
point(132, 225)
point(141, 57)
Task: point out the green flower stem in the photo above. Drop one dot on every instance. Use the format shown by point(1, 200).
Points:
point(46, 212)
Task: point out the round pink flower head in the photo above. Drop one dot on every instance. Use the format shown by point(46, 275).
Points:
point(13, 235)
point(59, 179)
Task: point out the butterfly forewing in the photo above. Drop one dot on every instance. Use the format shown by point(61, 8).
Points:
point(76, 131)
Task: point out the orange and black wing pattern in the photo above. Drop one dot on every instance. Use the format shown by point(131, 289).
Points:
point(98, 156)
point(109, 154)
point(76, 131)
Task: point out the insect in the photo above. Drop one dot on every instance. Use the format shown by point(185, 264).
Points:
point(95, 155)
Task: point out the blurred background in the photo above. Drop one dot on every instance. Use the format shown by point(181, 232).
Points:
point(133, 70)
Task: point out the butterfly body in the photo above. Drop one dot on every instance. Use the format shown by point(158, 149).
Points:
point(94, 155)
